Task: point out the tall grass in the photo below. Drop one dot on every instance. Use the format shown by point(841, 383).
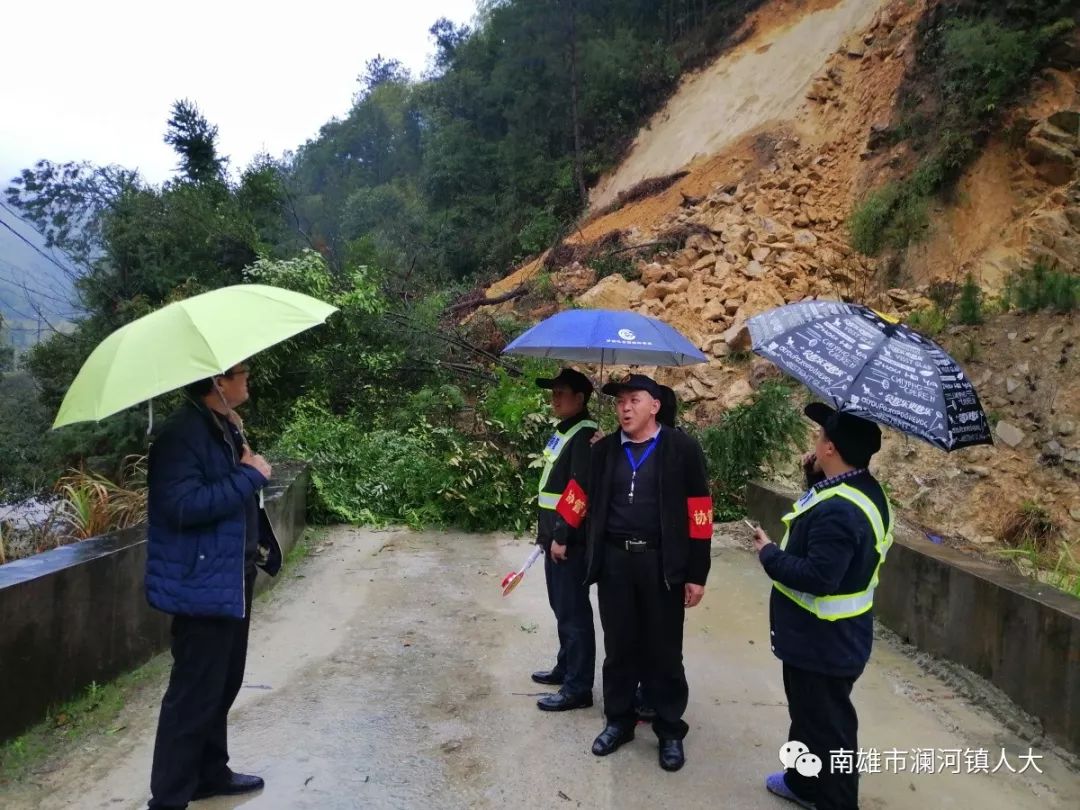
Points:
point(92, 505)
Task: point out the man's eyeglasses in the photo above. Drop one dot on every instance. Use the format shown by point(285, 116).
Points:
point(239, 372)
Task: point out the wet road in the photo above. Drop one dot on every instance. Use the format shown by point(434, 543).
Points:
point(389, 672)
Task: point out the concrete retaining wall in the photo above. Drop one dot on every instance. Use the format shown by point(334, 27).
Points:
point(78, 613)
point(1021, 636)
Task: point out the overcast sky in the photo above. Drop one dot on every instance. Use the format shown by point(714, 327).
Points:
point(95, 80)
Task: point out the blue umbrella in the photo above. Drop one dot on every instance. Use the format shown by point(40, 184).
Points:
point(606, 336)
point(874, 368)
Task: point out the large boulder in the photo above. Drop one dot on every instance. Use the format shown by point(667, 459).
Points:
point(663, 289)
point(612, 292)
point(737, 337)
point(1049, 131)
point(714, 310)
point(652, 273)
point(760, 295)
point(738, 393)
point(1053, 162)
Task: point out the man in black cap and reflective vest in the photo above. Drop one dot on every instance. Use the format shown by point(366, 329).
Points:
point(562, 511)
point(649, 534)
point(824, 573)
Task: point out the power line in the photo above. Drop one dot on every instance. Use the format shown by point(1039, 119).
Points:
point(52, 290)
point(66, 270)
point(22, 314)
point(29, 291)
point(30, 224)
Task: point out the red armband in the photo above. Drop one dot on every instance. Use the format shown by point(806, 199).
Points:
point(699, 512)
point(572, 505)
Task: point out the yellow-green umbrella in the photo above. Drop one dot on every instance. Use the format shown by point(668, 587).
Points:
point(183, 342)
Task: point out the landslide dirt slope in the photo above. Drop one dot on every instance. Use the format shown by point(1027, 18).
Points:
point(763, 80)
point(777, 142)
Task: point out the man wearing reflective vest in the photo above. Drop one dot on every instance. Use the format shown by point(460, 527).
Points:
point(649, 535)
point(824, 573)
point(561, 514)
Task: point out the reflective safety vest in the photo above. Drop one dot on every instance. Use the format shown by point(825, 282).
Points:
point(554, 448)
point(841, 606)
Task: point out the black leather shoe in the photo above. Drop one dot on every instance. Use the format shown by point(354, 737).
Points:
point(610, 739)
point(672, 755)
point(236, 784)
point(549, 677)
point(564, 703)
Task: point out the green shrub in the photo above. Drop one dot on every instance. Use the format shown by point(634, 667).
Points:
point(748, 439)
point(439, 404)
point(969, 307)
point(539, 232)
point(612, 263)
point(1042, 288)
point(893, 216)
point(543, 286)
point(417, 475)
point(870, 219)
point(974, 67)
point(24, 424)
point(930, 321)
point(985, 63)
point(410, 471)
point(515, 402)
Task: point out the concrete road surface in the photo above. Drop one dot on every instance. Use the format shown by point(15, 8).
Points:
point(389, 672)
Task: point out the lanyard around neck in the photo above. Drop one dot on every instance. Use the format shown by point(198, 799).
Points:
point(635, 464)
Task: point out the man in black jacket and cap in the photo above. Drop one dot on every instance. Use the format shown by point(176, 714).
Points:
point(649, 535)
point(824, 573)
point(562, 507)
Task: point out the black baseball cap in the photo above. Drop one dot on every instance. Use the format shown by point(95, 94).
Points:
point(574, 380)
point(856, 439)
point(633, 382)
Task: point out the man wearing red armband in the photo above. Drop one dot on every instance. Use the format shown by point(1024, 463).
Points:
point(649, 534)
point(561, 516)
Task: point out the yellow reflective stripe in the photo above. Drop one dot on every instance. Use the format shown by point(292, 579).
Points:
point(886, 544)
point(830, 608)
point(867, 506)
point(549, 500)
point(552, 456)
point(842, 606)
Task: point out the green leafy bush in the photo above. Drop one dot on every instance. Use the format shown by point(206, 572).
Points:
point(422, 475)
point(985, 62)
point(930, 321)
point(966, 71)
point(1043, 288)
point(969, 307)
point(611, 263)
point(748, 439)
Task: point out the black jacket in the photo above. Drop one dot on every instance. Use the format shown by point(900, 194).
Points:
point(830, 550)
point(682, 477)
point(572, 465)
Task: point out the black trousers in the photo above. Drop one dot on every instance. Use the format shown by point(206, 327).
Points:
point(823, 718)
point(569, 599)
point(191, 748)
point(643, 640)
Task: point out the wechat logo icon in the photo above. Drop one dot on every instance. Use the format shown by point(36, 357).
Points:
point(794, 754)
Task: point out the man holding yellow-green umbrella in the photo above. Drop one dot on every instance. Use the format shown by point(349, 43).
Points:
point(206, 532)
point(207, 529)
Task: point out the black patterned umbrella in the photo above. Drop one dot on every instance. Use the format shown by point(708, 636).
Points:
point(873, 367)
